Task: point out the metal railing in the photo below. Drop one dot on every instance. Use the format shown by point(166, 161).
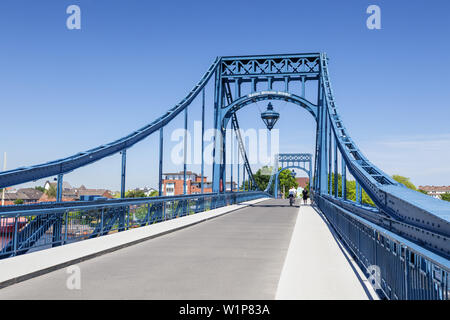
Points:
point(398, 268)
point(39, 227)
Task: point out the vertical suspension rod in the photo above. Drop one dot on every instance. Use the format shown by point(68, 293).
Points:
point(123, 175)
point(203, 137)
point(344, 179)
point(59, 188)
point(185, 150)
point(336, 180)
point(161, 146)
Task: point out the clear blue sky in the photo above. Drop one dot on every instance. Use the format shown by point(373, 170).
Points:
point(64, 91)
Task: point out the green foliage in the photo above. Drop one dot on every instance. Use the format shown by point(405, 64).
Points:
point(116, 195)
point(135, 194)
point(445, 196)
point(244, 185)
point(351, 193)
point(51, 192)
point(42, 189)
point(154, 193)
point(350, 190)
point(18, 201)
point(422, 191)
point(287, 181)
point(262, 178)
point(405, 181)
point(339, 184)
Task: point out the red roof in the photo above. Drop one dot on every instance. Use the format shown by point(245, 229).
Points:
point(435, 188)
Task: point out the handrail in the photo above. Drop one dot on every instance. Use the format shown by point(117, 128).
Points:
point(81, 205)
point(430, 271)
point(23, 230)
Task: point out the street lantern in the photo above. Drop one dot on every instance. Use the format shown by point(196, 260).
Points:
point(270, 117)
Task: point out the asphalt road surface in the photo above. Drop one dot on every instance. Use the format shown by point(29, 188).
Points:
point(239, 255)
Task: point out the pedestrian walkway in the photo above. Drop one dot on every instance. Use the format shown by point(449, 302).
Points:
point(317, 266)
point(235, 256)
point(266, 250)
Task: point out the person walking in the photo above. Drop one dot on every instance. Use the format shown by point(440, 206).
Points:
point(305, 196)
point(292, 195)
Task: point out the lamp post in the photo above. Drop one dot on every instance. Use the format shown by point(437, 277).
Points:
point(270, 117)
point(293, 174)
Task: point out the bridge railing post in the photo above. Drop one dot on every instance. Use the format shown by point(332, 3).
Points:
point(102, 221)
point(66, 225)
point(56, 231)
point(406, 273)
point(15, 235)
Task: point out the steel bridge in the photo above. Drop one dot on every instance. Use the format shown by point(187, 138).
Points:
point(283, 161)
point(405, 233)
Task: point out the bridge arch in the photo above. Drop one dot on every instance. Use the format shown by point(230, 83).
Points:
point(301, 161)
point(308, 172)
point(228, 111)
point(267, 95)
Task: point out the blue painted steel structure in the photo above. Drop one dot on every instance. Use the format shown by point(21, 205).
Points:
point(57, 224)
point(404, 270)
point(419, 222)
point(301, 161)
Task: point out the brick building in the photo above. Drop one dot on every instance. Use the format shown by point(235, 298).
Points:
point(302, 182)
point(173, 183)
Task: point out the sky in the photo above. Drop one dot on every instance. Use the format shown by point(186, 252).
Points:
point(64, 91)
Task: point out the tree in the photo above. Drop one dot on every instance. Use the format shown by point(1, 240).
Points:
point(116, 195)
point(351, 193)
point(244, 186)
point(42, 189)
point(287, 181)
point(135, 194)
point(262, 178)
point(18, 201)
point(51, 191)
point(445, 196)
point(339, 183)
point(422, 191)
point(405, 181)
point(154, 193)
point(350, 190)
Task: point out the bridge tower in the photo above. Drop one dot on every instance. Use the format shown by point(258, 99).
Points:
point(244, 80)
point(301, 161)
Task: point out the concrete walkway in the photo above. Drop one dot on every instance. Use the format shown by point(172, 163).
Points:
point(317, 266)
point(239, 255)
point(266, 250)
